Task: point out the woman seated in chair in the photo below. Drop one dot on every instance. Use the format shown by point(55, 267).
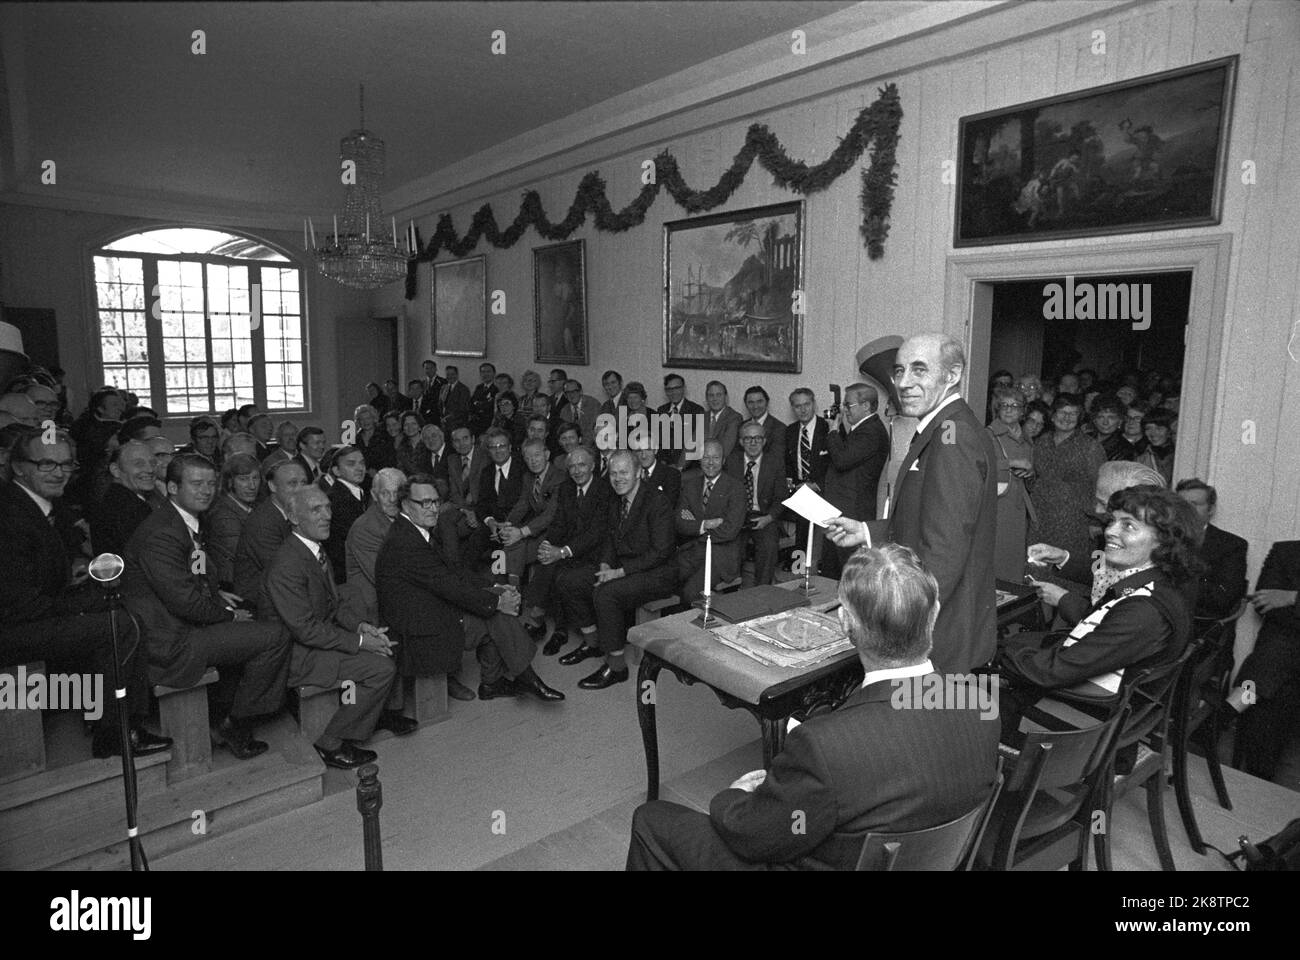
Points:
point(1142, 620)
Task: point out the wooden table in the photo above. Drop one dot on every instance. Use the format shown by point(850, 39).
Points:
point(770, 694)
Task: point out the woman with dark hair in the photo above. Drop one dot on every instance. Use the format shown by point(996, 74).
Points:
point(1143, 618)
point(1157, 426)
point(375, 398)
point(407, 443)
point(1015, 466)
point(241, 482)
point(1038, 419)
point(510, 420)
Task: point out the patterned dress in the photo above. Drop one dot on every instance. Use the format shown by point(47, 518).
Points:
point(1063, 493)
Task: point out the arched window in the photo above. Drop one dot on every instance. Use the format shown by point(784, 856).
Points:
point(199, 321)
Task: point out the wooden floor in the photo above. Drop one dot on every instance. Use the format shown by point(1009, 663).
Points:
point(518, 785)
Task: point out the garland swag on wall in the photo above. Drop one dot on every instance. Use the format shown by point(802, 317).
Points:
point(878, 122)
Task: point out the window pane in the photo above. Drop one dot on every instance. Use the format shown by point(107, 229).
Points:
point(136, 350)
point(194, 326)
point(169, 273)
point(220, 327)
point(173, 325)
point(292, 327)
point(135, 326)
point(196, 351)
point(198, 379)
point(174, 377)
point(191, 274)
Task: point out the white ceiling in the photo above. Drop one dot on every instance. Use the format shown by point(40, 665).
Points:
point(114, 95)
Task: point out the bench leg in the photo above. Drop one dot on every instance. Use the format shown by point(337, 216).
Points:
point(426, 698)
point(184, 718)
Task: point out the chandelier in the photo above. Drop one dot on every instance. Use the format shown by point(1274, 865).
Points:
point(361, 254)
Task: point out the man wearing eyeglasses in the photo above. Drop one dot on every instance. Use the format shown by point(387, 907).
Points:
point(762, 475)
point(555, 392)
point(582, 409)
point(48, 611)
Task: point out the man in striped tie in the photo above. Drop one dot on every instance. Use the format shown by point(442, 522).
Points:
point(806, 458)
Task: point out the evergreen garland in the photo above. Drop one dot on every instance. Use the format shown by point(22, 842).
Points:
point(878, 122)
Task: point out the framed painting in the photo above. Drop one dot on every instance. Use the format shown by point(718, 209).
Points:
point(560, 303)
point(1145, 154)
point(460, 307)
point(729, 290)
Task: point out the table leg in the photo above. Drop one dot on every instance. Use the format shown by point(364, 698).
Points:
point(645, 714)
point(773, 732)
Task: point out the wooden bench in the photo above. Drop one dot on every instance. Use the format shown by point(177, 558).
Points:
point(183, 713)
point(22, 732)
point(425, 698)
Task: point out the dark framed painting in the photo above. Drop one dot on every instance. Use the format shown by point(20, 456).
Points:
point(460, 307)
point(560, 303)
point(729, 290)
point(1145, 154)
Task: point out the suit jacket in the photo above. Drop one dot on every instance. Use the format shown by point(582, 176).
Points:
point(726, 501)
point(946, 510)
point(465, 494)
point(1223, 584)
point(361, 548)
point(646, 541)
point(313, 473)
point(163, 591)
point(114, 518)
point(725, 428)
point(429, 407)
point(583, 529)
point(344, 511)
point(866, 766)
point(687, 408)
point(423, 599)
point(222, 523)
point(264, 531)
point(769, 481)
point(490, 502)
point(774, 429)
point(585, 416)
point(610, 405)
point(36, 562)
point(853, 475)
point(482, 407)
point(537, 512)
point(821, 456)
point(1281, 571)
point(667, 479)
point(303, 597)
point(455, 406)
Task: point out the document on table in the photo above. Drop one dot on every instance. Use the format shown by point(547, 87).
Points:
point(811, 506)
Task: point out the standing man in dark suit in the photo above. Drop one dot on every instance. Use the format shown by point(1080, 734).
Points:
point(858, 449)
point(721, 421)
point(127, 502)
point(636, 567)
point(429, 406)
point(756, 402)
point(664, 477)
point(348, 501)
point(712, 503)
point(682, 408)
point(453, 401)
point(762, 477)
point(533, 512)
point(329, 649)
point(1223, 583)
point(555, 394)
point(265, 529)
point(483, 402)
point(946, 506)
point(189, 625)
point(48, 609)
point(807, 458)
point(574, 541)
point(436, 610)
point(871, 765)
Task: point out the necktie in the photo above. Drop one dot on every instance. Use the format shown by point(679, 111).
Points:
point(464, 472)
point(749, 484)
point(704, 497)
point(498, 483)
point(537, 488)
point(433, 462)
point(645, 473)
point(673, 411)
point(805, 451)
point(323, 560)
point(580, 498)
point(627, 508)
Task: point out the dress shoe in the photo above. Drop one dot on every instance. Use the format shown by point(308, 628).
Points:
point(398, 724)
point(238, 739)
point(536, 631)
point(500, 688)
point(457, 690)
point(529, 682)
point(143, 743)
point(580, 653)
point(346, 757)
point(602, 678)
point(558, 639)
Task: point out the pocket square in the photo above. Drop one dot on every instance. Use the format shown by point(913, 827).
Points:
point(914, 466)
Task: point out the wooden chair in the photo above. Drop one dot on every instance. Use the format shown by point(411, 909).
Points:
point(949, 846)
point(1200, 703)
point(1049, 796)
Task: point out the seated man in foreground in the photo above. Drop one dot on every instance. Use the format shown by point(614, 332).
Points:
point(868, 766)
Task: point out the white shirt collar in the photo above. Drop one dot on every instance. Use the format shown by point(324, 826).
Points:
point(650, 470)
point(864, 420)
point(191, 521)
point(925, 421)
point(312, 545)
point(310, 462)
point(423, 532)
point(898, 673)
point(756, 461)
point(762, 419)
point(587, 486)
point(351, 487)
point(505, 468)
point(46, 506)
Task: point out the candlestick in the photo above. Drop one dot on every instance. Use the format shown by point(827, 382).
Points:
point(336, 229)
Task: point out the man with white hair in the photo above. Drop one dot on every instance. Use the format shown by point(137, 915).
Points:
point(945, 508)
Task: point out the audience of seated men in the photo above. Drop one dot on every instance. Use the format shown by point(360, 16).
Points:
point(329, 648)
point(635, 567)
point(128, 500)
point(762, 476)
point(48, 609)
point(868, 766)
point(265, 529)
point(436, 609)
point(189, 624)
point(1222, 583)
point(574, 541)
point(529, 518)
point(711, 505)
point(241, 484)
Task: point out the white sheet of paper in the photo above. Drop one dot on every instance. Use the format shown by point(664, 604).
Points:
point(811, 506)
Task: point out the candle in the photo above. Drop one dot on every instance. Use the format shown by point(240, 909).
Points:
point(336, 229)
point(808, 558)
point(367, 228)
point(312, 227)
point(708, 565)
point(394, 231)
point(410, 236)
point(304, 234)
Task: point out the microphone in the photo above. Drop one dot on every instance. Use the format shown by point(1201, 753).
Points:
point(106, 569)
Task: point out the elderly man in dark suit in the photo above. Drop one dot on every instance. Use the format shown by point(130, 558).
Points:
point(48, 610)
point(857, 451)
point(636, 567)
point(580, 409)
point(265, 529)
point(129, 499)
point(453, 401)
point(871, 765)
point(664, 477)
point(682, 408)
point(762, 477)
point(756, 402)
point(573, 542)
point(364, 538)
point(721, 421)
point(189, 624)
point(1223, 583)
point(946, 506)
point(712, 504)
point(436, 609)
point(533, 512)
point(329, 649)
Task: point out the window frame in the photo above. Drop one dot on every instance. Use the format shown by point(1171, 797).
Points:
point(153, 326)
